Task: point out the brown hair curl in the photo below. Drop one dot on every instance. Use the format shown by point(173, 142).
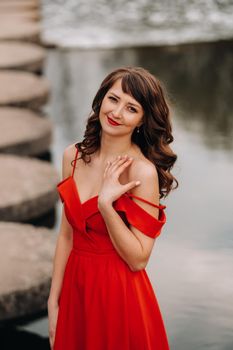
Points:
point(155, 133)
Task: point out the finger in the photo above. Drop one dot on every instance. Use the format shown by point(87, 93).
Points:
point(123, 166)
point(131, 185)
point(107, 167)
point(121, 161)
point(51, 337)
point(50, 342)
point(110, 166)
point(51, 332)
point(116, 159)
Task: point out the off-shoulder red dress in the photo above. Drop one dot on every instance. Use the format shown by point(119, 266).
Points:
point(103, 304)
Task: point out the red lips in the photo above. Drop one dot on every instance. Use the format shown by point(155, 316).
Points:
point(112, 122)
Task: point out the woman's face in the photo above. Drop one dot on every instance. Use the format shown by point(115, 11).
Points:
point(120, 113)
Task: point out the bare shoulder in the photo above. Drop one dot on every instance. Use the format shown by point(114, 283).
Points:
point(145, 171)
point(68, 156)
point(69, 151)
point(142, 168)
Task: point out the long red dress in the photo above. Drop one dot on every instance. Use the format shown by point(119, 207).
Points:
point(103, 304)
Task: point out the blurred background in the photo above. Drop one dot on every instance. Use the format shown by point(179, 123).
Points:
point(188, 45)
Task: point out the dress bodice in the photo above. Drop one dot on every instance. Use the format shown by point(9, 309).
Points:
point(88, 224)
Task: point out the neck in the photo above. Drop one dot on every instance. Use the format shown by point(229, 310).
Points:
point(111, 147)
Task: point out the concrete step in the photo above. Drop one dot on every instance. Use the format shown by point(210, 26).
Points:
point(23, 89)
point(26, 255)
point(27, 188)
point(22, 56)
point(35, 136)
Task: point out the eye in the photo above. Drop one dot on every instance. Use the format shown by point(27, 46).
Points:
point(132, 110)
point(112, 98)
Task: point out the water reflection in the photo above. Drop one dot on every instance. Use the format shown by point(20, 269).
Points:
point(199, 80)
point(12, 338)
point(192, 262)
point(197, 77)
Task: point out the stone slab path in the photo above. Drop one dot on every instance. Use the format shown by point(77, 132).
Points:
point(23, 56)
point(10, 5)
point(20, 30)
point(15, 15)
point(23, 89)
point(24, 132)
point(26, 255)
point(27, 188)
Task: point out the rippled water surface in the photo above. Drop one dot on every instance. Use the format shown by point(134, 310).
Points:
point(120, 23)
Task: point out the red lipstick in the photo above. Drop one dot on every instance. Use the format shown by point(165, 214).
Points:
point(112, 122)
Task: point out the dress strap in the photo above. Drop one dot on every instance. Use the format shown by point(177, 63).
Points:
point(75, 160)
point(160, 206)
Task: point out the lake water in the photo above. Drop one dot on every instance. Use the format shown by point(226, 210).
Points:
point(127, 23)
point(191, 266)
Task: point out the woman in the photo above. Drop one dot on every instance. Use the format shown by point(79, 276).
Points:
point(101, 297)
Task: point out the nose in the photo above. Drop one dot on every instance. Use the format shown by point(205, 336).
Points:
point(117, 111)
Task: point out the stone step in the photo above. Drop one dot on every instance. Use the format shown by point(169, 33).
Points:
point(26, 255)
point(11, 29)
point(22, 5)
point(23, 89)
point(35, 134)
point(27, 188)
point(22, 56)
point(15, 15)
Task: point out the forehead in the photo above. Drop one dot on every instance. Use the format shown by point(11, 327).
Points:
point(116, 88)
point(117, 84)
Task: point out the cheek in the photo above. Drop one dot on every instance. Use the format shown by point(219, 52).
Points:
point(106, 107)
point(132, 119)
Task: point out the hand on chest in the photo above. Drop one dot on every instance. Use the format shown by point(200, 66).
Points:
point(89, 178)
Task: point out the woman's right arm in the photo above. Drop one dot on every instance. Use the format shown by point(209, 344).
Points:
point(62, 251)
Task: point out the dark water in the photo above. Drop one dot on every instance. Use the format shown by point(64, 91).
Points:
point(191, 266)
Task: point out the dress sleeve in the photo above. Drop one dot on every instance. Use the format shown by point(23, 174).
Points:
point(140, 218)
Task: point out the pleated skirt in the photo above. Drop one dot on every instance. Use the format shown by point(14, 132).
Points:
point(103, 305)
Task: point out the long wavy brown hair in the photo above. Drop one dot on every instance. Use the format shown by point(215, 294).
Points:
point(155, 134)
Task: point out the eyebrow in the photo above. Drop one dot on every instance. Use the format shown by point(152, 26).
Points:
point(130, 103)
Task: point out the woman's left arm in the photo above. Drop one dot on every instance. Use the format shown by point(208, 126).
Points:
point(131, 244)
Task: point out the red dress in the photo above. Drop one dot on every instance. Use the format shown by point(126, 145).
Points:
point(103, 305)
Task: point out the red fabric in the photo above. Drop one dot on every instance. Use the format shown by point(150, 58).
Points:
point(103, 305)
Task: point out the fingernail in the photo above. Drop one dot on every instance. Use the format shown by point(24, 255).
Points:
point(138, 182)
